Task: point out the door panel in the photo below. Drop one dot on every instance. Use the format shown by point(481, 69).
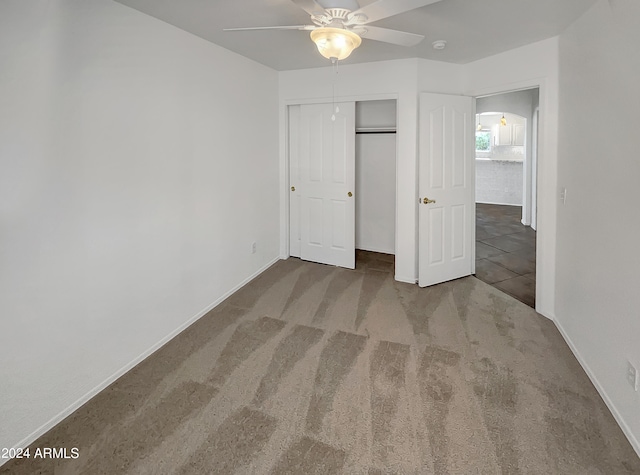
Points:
point(326, 176)
point(314, 211)
point(446, 222)
point(339, 217)
point(436, 242)
point(458, 219)
point(436, 148)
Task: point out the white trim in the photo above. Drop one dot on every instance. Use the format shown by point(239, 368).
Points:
point(544, 260)
point(40, 431)
point(474, 172)
point(507, 88)
point(549, 316)
point(285, 182)
point(603, 394)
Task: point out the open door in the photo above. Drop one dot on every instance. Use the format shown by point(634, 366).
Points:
point(446, 187)
point(325, 192)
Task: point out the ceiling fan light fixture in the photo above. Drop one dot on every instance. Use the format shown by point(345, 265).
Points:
point(335, 42)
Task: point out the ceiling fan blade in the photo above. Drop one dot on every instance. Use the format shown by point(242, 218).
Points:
point(310, 6)
point(291, 27)
point(385, 8)
point(395, 37)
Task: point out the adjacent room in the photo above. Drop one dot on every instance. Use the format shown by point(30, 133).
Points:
point(319, 236)
point(506, 191)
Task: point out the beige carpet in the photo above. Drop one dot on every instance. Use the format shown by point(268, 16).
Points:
point(315, 369)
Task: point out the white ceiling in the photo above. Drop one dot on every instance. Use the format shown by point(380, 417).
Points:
point(473, 29)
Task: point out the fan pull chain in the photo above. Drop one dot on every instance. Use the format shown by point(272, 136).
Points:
point(334, 61)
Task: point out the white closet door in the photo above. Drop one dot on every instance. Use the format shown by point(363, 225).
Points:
point(326, 164)
point(446, 186)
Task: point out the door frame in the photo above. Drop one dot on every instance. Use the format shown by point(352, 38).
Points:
point(285, 167)
point(534, 167)
point(545, 266)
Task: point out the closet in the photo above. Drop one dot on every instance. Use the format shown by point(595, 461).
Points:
point(376, 176)
point(342, 180)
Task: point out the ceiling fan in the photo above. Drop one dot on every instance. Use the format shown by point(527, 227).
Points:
point(339, 25)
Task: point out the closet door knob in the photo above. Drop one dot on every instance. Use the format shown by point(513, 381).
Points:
point(293, 188)
point(427, 201)
point(349, 194)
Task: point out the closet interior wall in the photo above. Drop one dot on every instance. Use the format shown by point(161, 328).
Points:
point(376, 176)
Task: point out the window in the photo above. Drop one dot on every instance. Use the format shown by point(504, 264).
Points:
point(483, 141)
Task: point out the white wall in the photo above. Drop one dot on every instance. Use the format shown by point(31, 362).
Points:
point(376, 114)
point(137, 165)
point(530, 66)
point(125, 163)
point(376, 192)
point(598, 227)
point(369, 81)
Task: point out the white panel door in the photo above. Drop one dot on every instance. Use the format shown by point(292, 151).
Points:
point(446, 187)
point(327, 178)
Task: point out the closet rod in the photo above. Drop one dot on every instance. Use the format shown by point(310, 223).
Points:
point(375, 132)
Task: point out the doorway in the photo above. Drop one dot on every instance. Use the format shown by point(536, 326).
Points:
point(506, 162)
point(370, 163)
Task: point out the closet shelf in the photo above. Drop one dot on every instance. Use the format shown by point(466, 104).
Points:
point(375, 130)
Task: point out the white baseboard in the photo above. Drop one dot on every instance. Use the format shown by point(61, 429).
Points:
point(603, 394)
point(551, 316)
point(31, 438)
point(407, 280)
